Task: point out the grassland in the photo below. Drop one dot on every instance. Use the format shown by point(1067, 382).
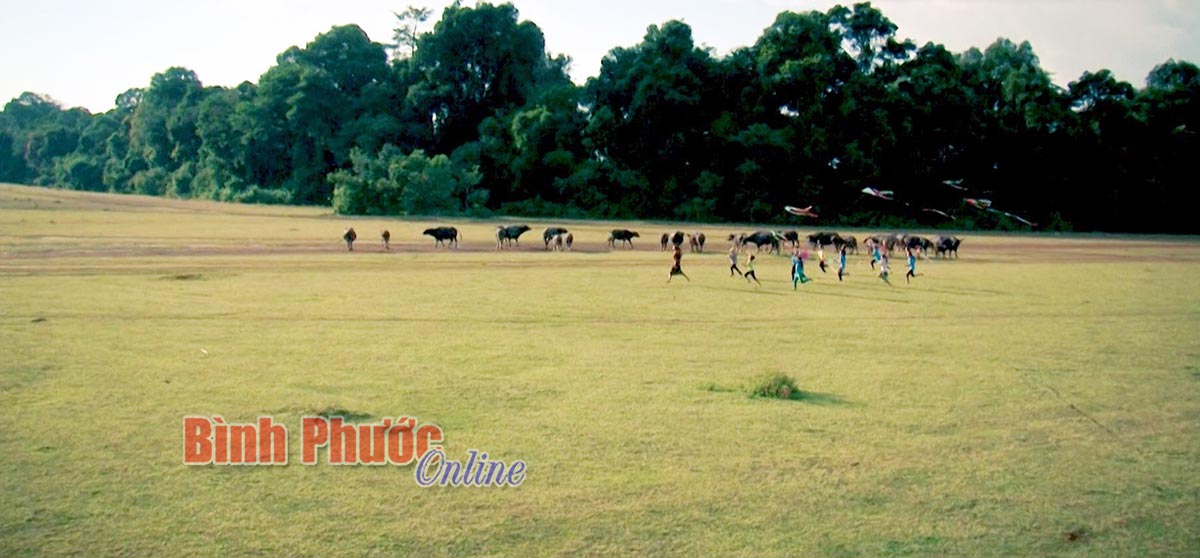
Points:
point(1038, 397)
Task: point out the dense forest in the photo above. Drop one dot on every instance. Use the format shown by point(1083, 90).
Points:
point(471, 116)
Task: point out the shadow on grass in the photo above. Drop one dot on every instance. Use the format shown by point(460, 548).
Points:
point(336, 411)
point(810, 397)
point(185, 277)
point(748, 289)
point(799, 396)
point(818, 398)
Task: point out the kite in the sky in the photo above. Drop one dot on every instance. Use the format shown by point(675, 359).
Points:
point(881, 194)
point(800, 211)
point(939, 212)
point(956, 184)
point(1015, 217)
point(986, 205)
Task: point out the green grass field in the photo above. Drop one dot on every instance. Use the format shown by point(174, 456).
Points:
point(1040, 396)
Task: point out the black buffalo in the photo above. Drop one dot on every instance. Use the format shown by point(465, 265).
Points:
point(666, 239)
point(792, 237)
point(947, 244)
point(887, 242)
point(386, 235)
point(624, 236)
point(508, 235)
point(447, 235)
point(849, 242)
point(550, 233)
point(762, 238)
point(677, 239)
point(918, 243)
point(350, 236)
point(816, 240)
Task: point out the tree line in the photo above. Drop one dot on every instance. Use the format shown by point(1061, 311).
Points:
point(474, 117)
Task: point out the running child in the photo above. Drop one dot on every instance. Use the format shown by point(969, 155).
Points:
point(821, 258)
point(841, 263)
point(884, 268)
point(733, 257)
point(677, 266)
point(750, 271)
point(912, 266)
point(798, 275)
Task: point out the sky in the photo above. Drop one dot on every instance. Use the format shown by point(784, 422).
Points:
point(86, 52)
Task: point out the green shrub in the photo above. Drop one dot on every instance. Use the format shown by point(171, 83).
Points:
point(775, 386)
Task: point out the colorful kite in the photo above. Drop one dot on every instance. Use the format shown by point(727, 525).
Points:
point(939, 212)
point(1015, 217)
point(881, 194)
point(986, 205)
point(800, 211)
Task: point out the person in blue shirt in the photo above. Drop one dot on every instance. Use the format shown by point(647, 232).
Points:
point(841, 263)
point(798, 276)
point(912, 266)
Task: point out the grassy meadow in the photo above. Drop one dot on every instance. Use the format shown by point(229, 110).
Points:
point(1039, 396)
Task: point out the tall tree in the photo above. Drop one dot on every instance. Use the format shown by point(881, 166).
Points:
point(408, 30)
point(476, 62)
point(649, 118)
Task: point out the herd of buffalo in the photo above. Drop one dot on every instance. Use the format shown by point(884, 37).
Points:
point(558, 238)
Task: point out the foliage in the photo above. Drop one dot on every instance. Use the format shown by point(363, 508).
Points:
point(775, 386)
point(822, 104)
point(392, 183)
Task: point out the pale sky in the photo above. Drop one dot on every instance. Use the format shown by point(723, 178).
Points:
point(86, 52)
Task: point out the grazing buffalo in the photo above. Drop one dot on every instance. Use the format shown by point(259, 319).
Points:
point(696, 241)
point(446, 235)
point(350, 236)
point(569, 241)
point(792, 237)
point(886, 242)
point(510, 234)
point(550, 233)
point(677, 239)
point(386, 236)
point(947, 244)
point(762, 238)
point(666, 238)
point(849, 242)
point(622, 235)
point(918, 243)
point(817, 240)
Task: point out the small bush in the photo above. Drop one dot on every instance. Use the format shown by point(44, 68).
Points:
point(330, 411)
point(776, 386)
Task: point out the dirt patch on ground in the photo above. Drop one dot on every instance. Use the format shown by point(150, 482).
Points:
point(146, 250)
point(993, 250)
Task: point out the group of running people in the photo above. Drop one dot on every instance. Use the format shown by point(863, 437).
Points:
point(798, 256)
